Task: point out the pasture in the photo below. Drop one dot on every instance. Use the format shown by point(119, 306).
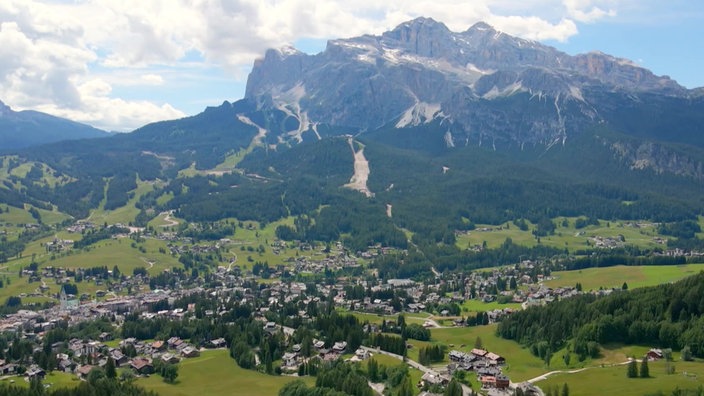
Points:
point(614, 277)
point(215, 373)
point(612, 380)
point(641, 234)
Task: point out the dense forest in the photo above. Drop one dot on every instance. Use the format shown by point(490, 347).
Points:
point(666, 316)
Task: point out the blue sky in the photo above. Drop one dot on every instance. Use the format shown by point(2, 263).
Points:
point(119, 64)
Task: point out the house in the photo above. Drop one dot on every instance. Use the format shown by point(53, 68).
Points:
point(488, 381)
point(318, 345)
point(495, 359)
point(118, 357)
point(502, 381)
point(142, 365)
point(190, 352)
point(66, 365)
point(84, 370)
point(170, 358)
point(270, 327)
point(35, 372)
point(431, 378)
point(479, 352)
point(362, 354)
point(339, 347)
point(218, 343)
point(159, 345)
point(289, 359)
point(654, 354)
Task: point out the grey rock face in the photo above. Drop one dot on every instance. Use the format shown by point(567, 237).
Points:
point(484, 85)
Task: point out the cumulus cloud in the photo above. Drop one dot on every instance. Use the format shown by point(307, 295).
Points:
point(66, 57)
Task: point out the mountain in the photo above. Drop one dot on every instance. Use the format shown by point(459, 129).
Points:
point(480, 86)
point(19, 129)
point(420, 131)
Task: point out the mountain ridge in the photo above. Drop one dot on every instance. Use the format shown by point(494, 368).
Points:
point(422, 71)
point(21, 129)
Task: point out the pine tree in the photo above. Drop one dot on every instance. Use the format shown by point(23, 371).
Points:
point(632, 369)
point(565, 390)
point(454, 388)
point(644, 371)
point(110, 370)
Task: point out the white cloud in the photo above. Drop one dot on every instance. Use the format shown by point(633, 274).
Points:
point(67, 57)
point(588, 10)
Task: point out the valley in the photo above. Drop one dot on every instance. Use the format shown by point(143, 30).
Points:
point(417, 212)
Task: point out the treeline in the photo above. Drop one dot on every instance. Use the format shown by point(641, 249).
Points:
point(14, 248)
point(417, 262)
point(363, 223)
point(667, 316)
point(388, 343)
point(102, 387)
point(118, 192)
point(619, 256)
point(94, 236)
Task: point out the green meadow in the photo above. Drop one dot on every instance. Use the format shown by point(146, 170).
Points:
point(565, 237)
point(634, 276)
point(520, 363)
point(612, 380)
point(215, 373)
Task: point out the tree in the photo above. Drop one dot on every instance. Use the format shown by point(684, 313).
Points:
point(632, 369)
point(624, 286)
point(95, 375)
point(687, 354)
point(644, 371)
point(478, 343)
point(170, 373)
point(565, 390)
point(406, 387)
point(566, 358)
point(110, 370)
point(454, 388)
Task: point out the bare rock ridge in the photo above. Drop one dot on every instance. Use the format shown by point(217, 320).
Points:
point(479, 86)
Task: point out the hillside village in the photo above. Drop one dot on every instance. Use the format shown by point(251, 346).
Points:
point(441, 298)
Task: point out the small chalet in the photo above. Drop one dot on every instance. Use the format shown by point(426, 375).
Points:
point(431, 378)
point(339, 347)
point(289, 359)
point(654, 354)
point(495, 359)
point(170, 358)
point(479, 352)
point(218, 343)
point(190, 352)
point(35, 372)
point(84, 370)
point(142, 365)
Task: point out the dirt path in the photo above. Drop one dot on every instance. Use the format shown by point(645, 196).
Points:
point(359, 179)
point(169, 219)
point(150, 263)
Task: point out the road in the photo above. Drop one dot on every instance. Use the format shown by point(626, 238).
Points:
point(465, 389)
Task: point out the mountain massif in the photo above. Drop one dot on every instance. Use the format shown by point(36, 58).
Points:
point(439, 130)
point(20, 129)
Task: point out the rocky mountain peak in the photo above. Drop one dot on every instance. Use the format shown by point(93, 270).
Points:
point(481, 84)
point(4, 109)
point(422, 36)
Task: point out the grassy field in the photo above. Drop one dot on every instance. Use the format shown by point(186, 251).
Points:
point(215, 373)
point(609, 277)
point(565, 237)
point(477, 306)
point(612, 380)
point(53, 380)
point(520, 363)
point(108, 253)
point(124, 214)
